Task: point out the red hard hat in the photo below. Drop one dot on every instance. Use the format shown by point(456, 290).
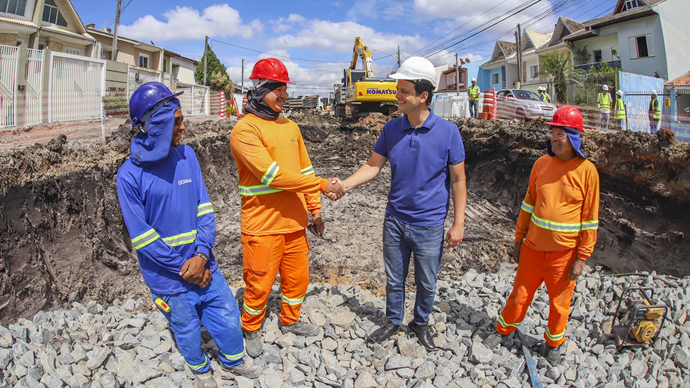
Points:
point(271, 68)
point(567, 116)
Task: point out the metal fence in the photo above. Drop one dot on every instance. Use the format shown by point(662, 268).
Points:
point(137, 76)
point(9, 58)
point(77, 86)
point(33, 91)
point(195, 100)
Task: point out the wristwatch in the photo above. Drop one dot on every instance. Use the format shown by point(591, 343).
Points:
point(203, 256)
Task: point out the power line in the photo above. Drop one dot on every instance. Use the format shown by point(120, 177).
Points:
point(276, 55)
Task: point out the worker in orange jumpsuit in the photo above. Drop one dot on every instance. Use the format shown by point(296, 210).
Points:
point(555, 232)
point(277, 185)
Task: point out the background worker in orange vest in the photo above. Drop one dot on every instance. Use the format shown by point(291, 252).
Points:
point(555, 232)
point(654, 113)
point(278, 186)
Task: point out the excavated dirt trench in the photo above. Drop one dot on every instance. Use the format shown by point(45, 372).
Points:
point(62, 238)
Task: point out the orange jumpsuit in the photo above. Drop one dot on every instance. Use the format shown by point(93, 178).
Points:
point(277, 185)
point(558, 223)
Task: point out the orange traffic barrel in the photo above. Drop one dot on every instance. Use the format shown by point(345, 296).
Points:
point(488, 102)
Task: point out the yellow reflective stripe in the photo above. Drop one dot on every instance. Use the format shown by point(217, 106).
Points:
point(291, 302)
point(270, 174)
point(590, 225)
point(232, 357)
point(504, 324)
point(145, 239)
point(181, 239)
point(554, 337)
point(252, 311)
point(308, 170)
point(556, 226)
point(204, 208)
point(527, 207)
point(257, 190)
point(200, 366)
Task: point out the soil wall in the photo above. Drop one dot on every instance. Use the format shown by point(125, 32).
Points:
point(62, 237)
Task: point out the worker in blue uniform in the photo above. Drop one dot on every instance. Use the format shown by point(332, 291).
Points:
point(172, 226)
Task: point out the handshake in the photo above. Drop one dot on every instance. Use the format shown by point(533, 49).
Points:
point(335, 189)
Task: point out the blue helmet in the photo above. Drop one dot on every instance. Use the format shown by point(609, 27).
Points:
point(147, 99)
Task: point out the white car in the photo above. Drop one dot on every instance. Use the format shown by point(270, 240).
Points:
point(518, 103)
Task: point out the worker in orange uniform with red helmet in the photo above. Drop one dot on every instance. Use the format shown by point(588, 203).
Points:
point(277, 185)
point(555, 232)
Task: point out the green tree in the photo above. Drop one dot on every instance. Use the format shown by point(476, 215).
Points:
point(561, 69)
point(216, 74)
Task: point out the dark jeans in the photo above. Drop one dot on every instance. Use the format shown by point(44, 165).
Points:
point(473, 108)
point(400, 240)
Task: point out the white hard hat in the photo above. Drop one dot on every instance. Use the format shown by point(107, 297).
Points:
point(415, 69)
point(474, 80)
point(654, 93)
point(620, 93)
point(606, 87)
point(541, 89)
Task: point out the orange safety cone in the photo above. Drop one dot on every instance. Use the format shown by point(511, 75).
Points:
point(488, 105)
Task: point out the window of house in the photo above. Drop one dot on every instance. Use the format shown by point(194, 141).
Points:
point(51, 14)
point(73, 51)
point(16, 7)
point(494, 78)
point(630, 4)
point(165, 65)
point(19, 42)
point(143, 60)
point(597, 56)
point(534, 71)
point(106, 54)
point(641, 46)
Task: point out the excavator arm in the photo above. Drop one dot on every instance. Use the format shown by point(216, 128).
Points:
point(360, 50)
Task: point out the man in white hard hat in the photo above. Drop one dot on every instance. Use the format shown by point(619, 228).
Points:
point(427, 158)
point(654, 113)
point(543, 95)
point(473, 94)
point(619, 112)
point(604, 105)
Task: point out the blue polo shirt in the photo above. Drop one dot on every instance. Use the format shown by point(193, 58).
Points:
point(419, 158)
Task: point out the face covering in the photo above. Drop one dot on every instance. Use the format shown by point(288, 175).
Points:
point(154, 145)
point(575, 140)
point(255, 103)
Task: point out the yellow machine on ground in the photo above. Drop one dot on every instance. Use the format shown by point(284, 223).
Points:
point(638, 320)
point(361, 91)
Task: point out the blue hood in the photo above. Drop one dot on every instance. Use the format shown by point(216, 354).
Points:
point(575, 140)
point(154, 145)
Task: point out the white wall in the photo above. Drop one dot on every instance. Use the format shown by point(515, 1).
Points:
point(511, 76)
point(649, 65)
point(185, 74)
point(607, 41)
point(676, 33)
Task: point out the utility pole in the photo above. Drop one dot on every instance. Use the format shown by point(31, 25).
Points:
point(117, 21)
point(205, 58)
point(398, 57)
point(242, 82)
point(457, 75)
point(518, 40)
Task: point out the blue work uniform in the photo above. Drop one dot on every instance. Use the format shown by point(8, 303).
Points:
point(170, 218)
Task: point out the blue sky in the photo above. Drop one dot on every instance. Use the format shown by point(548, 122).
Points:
point(315, 38)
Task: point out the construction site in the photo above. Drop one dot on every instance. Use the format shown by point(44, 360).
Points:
point(63, 238)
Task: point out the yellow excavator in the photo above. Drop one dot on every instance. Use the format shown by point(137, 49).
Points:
point(361, 92)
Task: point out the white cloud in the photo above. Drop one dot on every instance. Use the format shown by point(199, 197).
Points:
point(185, 23)
point(339, 37)
point(282, 24)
